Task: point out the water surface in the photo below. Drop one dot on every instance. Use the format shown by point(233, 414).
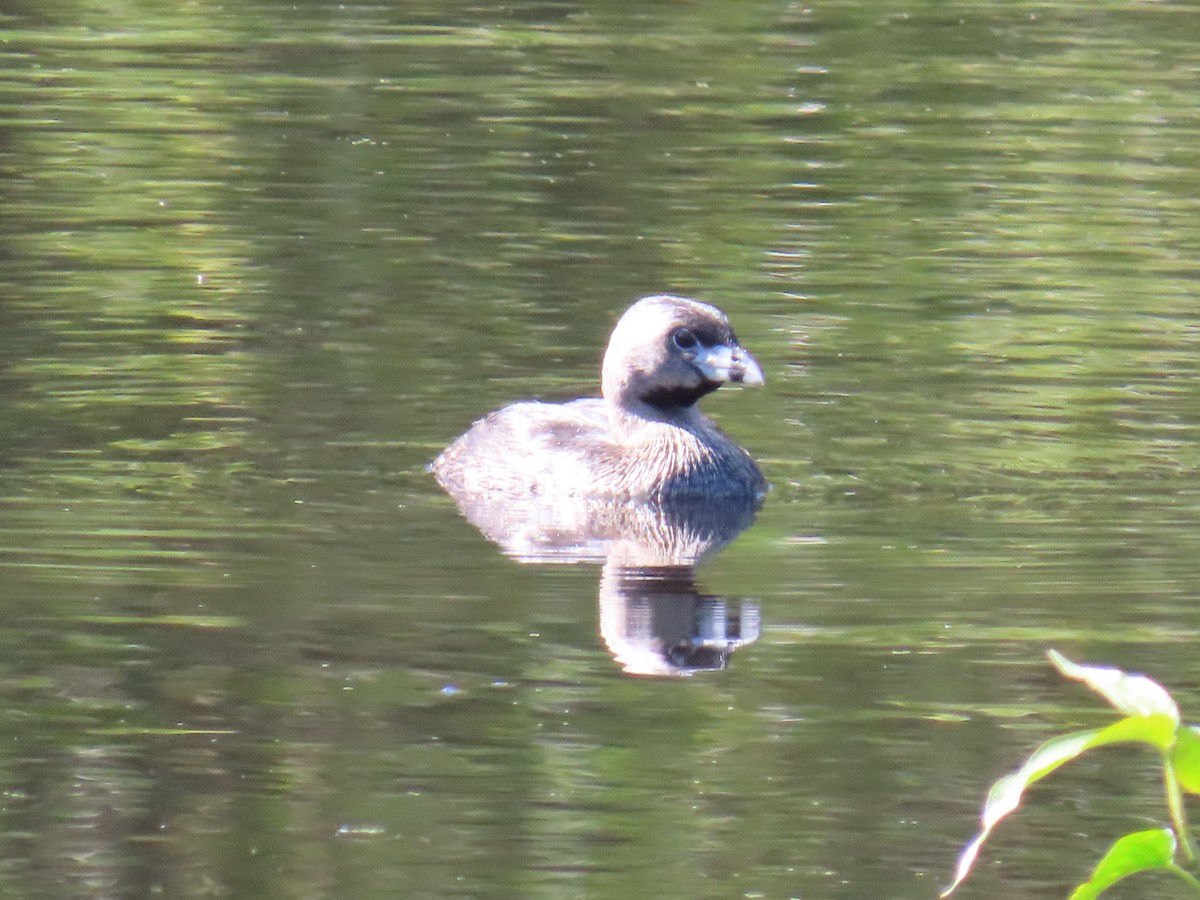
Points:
point(259, 263)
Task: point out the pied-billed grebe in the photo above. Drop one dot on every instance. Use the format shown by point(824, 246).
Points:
point(645, 440)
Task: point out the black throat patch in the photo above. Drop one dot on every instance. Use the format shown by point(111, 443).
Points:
point(668, 398)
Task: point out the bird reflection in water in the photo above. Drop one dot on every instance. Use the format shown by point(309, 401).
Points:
point(653, 617)
point(656, 622)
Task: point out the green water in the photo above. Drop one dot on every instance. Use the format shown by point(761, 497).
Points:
point(259, 262)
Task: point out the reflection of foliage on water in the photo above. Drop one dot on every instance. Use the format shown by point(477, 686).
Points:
point(131, 299)
point(1018, 218)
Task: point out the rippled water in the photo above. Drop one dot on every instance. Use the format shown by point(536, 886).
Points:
point(260, 262)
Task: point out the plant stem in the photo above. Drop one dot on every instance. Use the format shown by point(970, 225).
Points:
point(1185, 876)
point(1175, 805)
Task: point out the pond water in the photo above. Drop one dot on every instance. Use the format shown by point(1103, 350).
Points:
point(261, 261)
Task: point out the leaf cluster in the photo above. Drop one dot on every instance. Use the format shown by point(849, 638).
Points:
point(1150, 716)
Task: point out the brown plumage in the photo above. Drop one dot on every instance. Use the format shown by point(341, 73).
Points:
point(644, 440)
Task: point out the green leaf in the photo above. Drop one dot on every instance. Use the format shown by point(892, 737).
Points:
point(1137, 852)
point(1005, 795)
point(1185, 756)
point(1134, 695)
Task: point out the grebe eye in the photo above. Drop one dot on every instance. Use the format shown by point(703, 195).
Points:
point(683, 339)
